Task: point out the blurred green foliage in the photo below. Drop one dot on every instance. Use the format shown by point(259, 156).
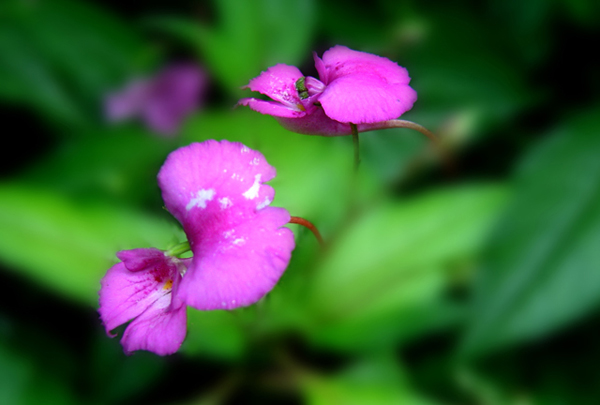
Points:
point(432, 288)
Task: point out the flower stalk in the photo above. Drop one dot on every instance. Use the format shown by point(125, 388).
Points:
point(356, 146)
point(307, 224)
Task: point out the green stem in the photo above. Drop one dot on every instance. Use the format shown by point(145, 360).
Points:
point(179, 249)
point(356, 148)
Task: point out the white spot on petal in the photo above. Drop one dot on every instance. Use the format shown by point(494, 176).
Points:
point(255, 161)
point(263, 204)
point(245, 149)
point(202, 196)
point(252, 192)
point(225, 203)
point(239, 242)
point(227, 234)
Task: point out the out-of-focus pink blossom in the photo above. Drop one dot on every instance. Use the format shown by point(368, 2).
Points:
point(162, 101)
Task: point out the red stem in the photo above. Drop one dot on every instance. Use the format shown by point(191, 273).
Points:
point(309, 225)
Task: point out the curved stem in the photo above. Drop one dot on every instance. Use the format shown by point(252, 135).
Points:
point(356, 148)
point(446, 157)
point(309, 225)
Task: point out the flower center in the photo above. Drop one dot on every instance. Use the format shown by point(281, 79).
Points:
point(301, 88)
point(309, 89)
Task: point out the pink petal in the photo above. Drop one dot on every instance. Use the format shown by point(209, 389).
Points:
point(215, 190)
point(366, 98)
point(279, 83)
point(271, 108)
point(202, 181)
point(158, 329)
point(125, 295)
point(242, 266)
point(127, 102)
point(316, 123)
point(173, 94)
point(141, 258)
point(341, 61)
point(321, 68)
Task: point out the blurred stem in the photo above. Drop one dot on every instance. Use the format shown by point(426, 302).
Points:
point(309, 225)
point(356, 146)
point(446, 157)
point(178, 250)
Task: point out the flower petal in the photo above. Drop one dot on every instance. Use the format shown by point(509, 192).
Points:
point(242, 266)
point(125, 295)
point(341, 61)
point(128, 102)
point(158, 329)
point(271, 108)
point(279, 83)
point(205, 184)
point(366, 98)
point(321, 68)
point(316, 123)
point(141, 258)
point(215, 190)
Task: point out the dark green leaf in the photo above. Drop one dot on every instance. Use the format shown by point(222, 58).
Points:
point(541, 271)
point(60, 57)
point(215, 334)
point(247, 37)
point(387, 275)
point(376, 380)
point(69, 244)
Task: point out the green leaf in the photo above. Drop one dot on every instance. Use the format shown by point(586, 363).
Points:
point(115, 377)
point(68, 245)
point(22, 381)
point(119, 162)
point(385, 278)
point(26, 78)
point(215, 334)
point(375, 380)
point(541, 268)
point(61, 56)
point(467, 81)
point(25, 362)
point(248, 37)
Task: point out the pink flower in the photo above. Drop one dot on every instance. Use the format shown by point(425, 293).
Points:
point(240, 247)
point(215, 189)
point(354, 87)
point(143, 287)
point(162, 101)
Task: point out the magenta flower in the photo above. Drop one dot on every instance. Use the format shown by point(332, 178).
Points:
point(354, 87)
point(143, 287)
point(215, 189)
point(163, 101)
point(240, 247)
